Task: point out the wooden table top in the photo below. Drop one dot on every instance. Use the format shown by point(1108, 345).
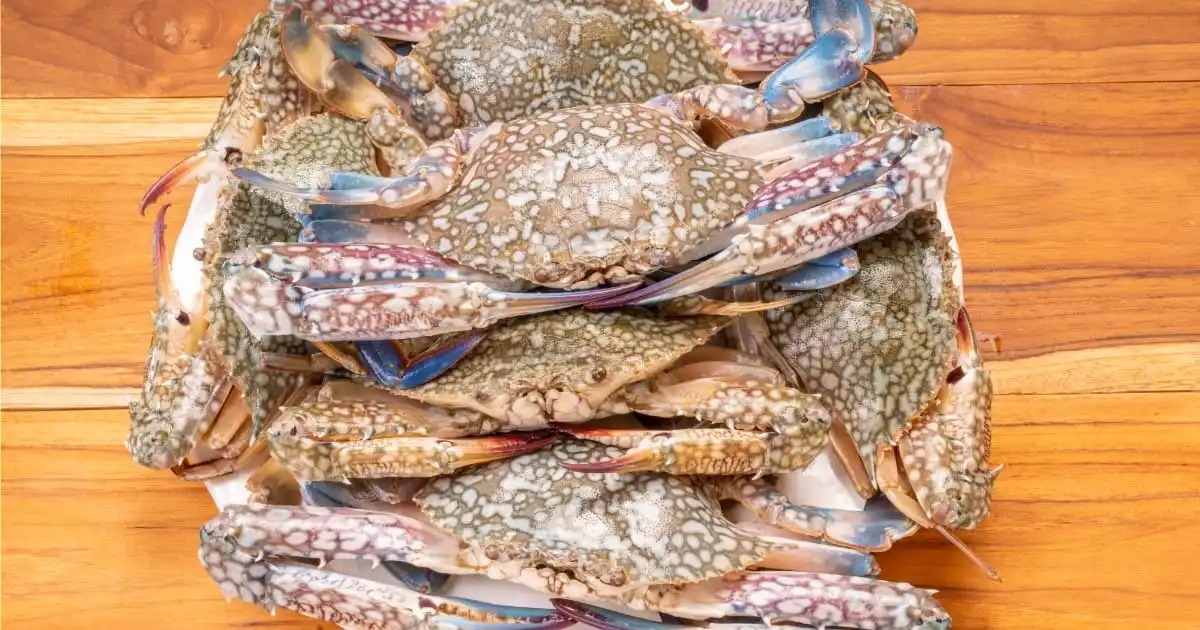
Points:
point(1074, 194)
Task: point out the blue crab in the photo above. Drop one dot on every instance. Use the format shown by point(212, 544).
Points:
point(892, 353)
point(263, 96)
point(649, 541)
point(205, 376)
point(497, 60)
point(593, 199)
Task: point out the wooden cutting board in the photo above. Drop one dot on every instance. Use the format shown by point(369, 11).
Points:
point(1075, 196)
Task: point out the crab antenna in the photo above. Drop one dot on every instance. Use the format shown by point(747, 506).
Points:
point(962, 546)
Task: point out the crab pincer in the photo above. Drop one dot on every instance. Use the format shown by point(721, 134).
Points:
point(754, 35)
point(252, 551)
point(314, 54)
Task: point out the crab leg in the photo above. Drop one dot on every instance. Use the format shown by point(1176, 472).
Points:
point(238, 129)
point(338, 439)
point(334, 265)
point(895, 25)
point(435, 171)
point(387, 311)
point(796, 428)
point(336, 495)
point(792, 221)
point(390, 367)
point(310, 51)
point(240, 550)
point(811, 599)
point(875, 528)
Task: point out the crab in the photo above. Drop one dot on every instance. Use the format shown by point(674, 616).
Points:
point(756, 34)
point(649, 541)
point(497, 60)
point(560, 369)
point(592, 196)
point(892, 353)
point(263, 96)
point(205, 376)
point(865, 108)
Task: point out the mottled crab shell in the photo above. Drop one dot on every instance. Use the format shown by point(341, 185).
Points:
point(620, 530)
point(588, 195)
point(561, 366)
point(503, 59)
point(878, 347)
point(260, 73)
point(299, 154)
point(865, 107)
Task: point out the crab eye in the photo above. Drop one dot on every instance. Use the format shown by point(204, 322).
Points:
point(597, 375)
point(183, 318)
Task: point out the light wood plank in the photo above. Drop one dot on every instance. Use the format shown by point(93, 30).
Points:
point(1075, 229)
point(52, 398)
point(102, 122)
point(1114, 531)
point(79, 48)
point(91, 540)
point(124, 48)
point(1089, 518)
point(982, 42)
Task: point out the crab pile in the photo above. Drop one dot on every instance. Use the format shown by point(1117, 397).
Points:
point(559, 294)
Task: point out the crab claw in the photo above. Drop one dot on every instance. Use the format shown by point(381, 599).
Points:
point(422, 309)
point(604, 619)
point(193, 166)
point(326, 534)
point(835, 60)
point(822, 273)
point(391, 368)
point(335, 495)
point(312, 456)
point(811, 599)
point(700, 451)
point(860, 192)
point(407, 20)
point(874, 528)
point(310, 52)
point(245, 573)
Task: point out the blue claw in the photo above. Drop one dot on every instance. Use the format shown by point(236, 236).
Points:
point(329, 224)
point(417, 578)
point(828, 65)
point(824, 272)
point(390, 367)
point(349, 180)
point(852, 15)
point(605, 619)
point(324, 195)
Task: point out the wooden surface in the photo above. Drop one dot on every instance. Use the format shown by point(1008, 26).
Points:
point(1075, 195)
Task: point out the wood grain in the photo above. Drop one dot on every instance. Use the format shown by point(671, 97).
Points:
point(125, 48)
point(92, 540)
point(1074, 197)
point(120, 47)
point(1044, 202)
